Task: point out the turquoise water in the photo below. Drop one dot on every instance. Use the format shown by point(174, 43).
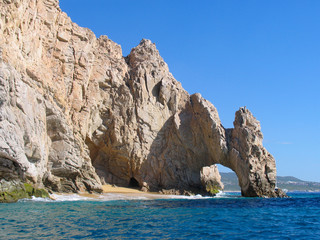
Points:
point(226, 217)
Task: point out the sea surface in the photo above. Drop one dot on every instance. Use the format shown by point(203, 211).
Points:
point(112, 216)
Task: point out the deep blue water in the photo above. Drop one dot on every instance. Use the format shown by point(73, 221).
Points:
point(228, 217)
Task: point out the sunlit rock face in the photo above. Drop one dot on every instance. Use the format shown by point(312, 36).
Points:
point(253, 164)
point(75, 113)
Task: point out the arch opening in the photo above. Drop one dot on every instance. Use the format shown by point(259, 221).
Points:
point(229, 178)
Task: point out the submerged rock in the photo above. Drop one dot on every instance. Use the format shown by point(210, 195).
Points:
point(74, 113)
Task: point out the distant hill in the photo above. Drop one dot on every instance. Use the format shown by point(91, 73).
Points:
point(290, 183)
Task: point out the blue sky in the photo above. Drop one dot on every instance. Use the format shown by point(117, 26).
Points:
point(261, 54)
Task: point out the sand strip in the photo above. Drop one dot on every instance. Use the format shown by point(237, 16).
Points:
point(107, 188)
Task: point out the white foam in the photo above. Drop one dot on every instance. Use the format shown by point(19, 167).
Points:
point(100, 197)
point(119, 196)
point(69, 197)
point(122, 196)
point(93, 197)
point(221, 194)
point(36, 199)
point(198, 196)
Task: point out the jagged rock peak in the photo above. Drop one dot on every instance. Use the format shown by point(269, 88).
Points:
point(245, 118)
point(146, 52)
point(147, 43)
point(147, 47)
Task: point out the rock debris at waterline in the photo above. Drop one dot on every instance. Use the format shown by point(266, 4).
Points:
point(75, 114)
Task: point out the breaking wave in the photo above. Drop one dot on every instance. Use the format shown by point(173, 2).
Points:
point(125, 196)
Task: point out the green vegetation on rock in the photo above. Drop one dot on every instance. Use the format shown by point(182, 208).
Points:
point(29, 188)
point(37, 192)
point(20, 191)
point(13, 196)
point(212, 189)
point(41, 193)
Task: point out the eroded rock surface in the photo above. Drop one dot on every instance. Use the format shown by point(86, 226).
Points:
point(75, 113)
point(253, 164)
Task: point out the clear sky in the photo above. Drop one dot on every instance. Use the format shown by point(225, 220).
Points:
point(261, 54)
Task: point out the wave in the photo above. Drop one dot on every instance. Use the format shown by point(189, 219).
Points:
point(125, 196)
point(222, 194)
point(65, 197)
point(198, 196)
point(36, 199)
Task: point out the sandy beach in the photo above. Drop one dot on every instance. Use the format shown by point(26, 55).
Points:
point(111, 192)
point(107, 188)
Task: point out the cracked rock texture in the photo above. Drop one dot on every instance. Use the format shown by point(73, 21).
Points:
point(75, 113)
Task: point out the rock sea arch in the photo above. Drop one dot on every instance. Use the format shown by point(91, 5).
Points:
point(75, 113)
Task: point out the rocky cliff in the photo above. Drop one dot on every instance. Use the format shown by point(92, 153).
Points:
point(75, 113)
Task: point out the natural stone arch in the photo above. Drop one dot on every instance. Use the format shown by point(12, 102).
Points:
point(195, 138)
point(164, 137)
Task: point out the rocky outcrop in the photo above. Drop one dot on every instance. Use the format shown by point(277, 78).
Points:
point(253, 164)
point(211, 179)
point(12, 187)
point(75, 113)
point(11, 177)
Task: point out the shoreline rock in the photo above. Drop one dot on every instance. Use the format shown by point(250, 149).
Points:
point(12, 191)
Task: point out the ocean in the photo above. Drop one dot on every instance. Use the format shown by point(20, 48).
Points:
point(116, 216)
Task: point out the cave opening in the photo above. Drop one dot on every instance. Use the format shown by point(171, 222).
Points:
point(133, 183)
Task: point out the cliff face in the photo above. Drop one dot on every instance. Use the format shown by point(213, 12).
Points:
point(75, 113)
